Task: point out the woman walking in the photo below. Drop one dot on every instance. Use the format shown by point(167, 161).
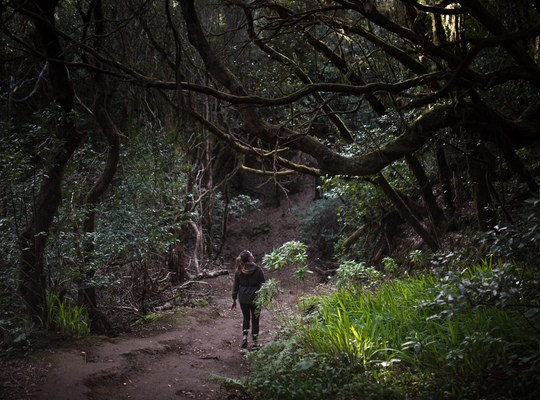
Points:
point(248, 279)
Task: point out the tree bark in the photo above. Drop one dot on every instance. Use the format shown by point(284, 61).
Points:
point(34, 238)
point(198, 250)
point(101, 107)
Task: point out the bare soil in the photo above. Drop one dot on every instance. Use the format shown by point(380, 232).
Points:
point(173, 356)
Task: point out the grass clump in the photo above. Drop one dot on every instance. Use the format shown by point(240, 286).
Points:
point(64, 317)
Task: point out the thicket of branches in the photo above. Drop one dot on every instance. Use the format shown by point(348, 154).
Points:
point(122, 120)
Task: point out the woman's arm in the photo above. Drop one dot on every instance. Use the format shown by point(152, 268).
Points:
point(260, 276)
point(236, 286)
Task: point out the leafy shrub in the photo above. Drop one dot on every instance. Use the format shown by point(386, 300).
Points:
point(238, 206)
point(242, 204)
point(283, 370)
point(292, 253)
point(441, 262)
point(19, 180)
point(389, 264)
point(352, 272)
point(520, 241)
point(416, 257)
point(267, 294)
point(14, 334)
point(356, 203)
point(486, 285)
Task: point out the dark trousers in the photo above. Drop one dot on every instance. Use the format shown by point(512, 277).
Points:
point(251, 314)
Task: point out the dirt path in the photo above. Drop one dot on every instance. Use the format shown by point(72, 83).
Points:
point(173, 361)
point(171, 357)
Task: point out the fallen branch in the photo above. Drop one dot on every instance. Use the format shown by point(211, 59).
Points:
point(183, 286)
point(209, 274)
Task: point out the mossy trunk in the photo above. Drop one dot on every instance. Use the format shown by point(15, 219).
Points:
point(33, 240)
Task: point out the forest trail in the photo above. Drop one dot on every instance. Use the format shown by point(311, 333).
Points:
point(173, 361)
point(173, 357)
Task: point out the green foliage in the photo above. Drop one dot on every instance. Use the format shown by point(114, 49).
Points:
point(282, 370)
point(485, 285)
point(441, 262)
point(520, 241)
point(267, 294)
point(228, 383)
point(351, 271)
point(238, 207)
point(136, 219)
point(308, 304)
point(148, 318)
point(151, 187)
point(200, 303)
point(242, 204)
point(20, 175)
point(292, 253)
point(357, 202)
point(416, 256)
point(465, 335)
point(301, 273)
point(15, 334)
point(389, 264)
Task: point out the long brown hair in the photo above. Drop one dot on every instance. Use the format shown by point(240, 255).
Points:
point(243, 258)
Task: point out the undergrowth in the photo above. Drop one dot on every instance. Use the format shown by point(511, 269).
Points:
point(474, 334)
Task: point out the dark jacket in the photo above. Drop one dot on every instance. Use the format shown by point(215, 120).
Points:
point(245, 285)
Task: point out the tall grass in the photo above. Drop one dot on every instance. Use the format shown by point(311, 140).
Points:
point(368, 326)
point(454, 337)
point(64, 317)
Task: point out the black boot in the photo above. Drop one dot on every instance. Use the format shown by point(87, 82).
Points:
point(245, 340)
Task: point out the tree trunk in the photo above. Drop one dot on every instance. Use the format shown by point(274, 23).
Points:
point(515, 163)
point(176, 262)
point(426, 190)
point(225, 218)
point(444, 177)
point(198, 251)
point(479, 172)
point(389, 227)
point(405, 212)
point(99, 322)
point(34, 238)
